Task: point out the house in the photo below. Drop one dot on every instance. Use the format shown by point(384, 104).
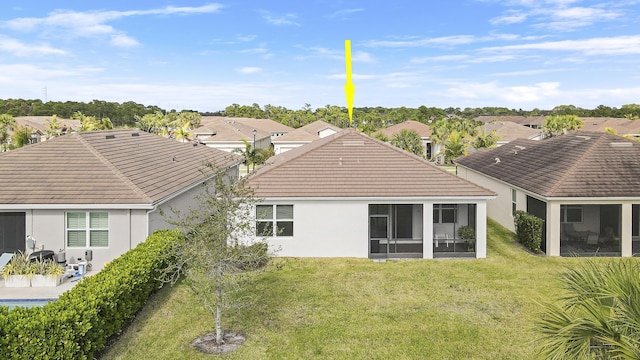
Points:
point(422, 129)
point(349, 195)
point(304, 135)
point(101, 191)
point(230, 135)
point(38, 128)
point(534, 122)
point(507, 131)
point(584, 185)
point(266, 125)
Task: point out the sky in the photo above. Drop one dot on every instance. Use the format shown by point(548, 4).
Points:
point(199, 55)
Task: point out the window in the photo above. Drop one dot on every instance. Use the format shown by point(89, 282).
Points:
point(445, 213)
point(280, 225)
point(571, 213)
point(87, 229)
point(514, 201)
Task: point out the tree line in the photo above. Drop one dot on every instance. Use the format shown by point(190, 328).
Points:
point(368, 118)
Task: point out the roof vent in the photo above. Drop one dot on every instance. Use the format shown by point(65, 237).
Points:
point(110, 137)
point(497, 160)
point(582, 137)
point(621, 144)
point(135, 134)
point(520, 147)
point(353, 143)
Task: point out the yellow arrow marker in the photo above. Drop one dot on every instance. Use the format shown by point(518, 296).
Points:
point(349, 88)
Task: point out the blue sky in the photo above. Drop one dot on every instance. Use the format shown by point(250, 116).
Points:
point(207, 55)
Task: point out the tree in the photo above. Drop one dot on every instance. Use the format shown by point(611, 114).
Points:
point(598, 317)
point(21, 137)
point(183, 132)
point(483, 140)
point(455, 146)
point(380, 136)
point(249, 154)
point(52, 127)
point(6, 122)
point(409, 140)
point(212, 254)
point(555, 125)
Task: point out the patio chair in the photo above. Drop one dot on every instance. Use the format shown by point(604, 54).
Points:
point(573, 234)
point(4, 260)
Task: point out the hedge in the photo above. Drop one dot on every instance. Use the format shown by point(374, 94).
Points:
point(528, 230)
point(79, 323)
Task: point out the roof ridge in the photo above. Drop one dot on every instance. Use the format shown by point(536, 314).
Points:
point(302, 150)
point(113, 168)
point(575, 164)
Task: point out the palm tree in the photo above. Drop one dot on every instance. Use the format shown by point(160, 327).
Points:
point(484, 140)
point(598, 317)
point(409, 140)
point(555, 125)
point(455, 146)
point(183, 132)
point(53, 127)
point(249, 154)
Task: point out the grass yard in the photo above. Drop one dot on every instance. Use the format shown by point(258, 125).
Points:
point(358, 309)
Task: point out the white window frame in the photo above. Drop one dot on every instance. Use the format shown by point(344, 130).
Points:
point(275, 219)
point(438, 208)
point(87, 229)
point(514, 201)
point(564, 210)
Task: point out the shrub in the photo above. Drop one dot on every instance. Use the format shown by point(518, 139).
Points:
point(528, 230)
point(466, 232)
point(80, 322)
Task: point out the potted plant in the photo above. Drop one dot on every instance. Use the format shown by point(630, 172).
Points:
point(468, 234)
point(19, 271)
point(47, 274)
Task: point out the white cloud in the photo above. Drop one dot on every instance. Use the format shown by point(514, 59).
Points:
point(17, 48)
point(249, 70)
point(321, 52)
point(511, 94)
point(512, 17)
point(344, 13)
point(560, 15)
point(424, 42)
point(280, 20)
point(620, 45)
point(246, 38)
point(122, 40)
point(71, 24)
point(426, 59)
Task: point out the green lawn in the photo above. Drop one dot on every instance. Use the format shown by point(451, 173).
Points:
point(358, 309)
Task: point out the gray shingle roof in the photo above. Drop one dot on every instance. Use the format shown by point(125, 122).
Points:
point(351, 164)
point(582, 164)
point(104, 167)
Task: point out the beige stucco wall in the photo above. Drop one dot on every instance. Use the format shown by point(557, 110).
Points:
point(499, 209)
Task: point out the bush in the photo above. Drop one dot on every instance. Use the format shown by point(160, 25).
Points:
point(528, 230)
point(467, 233)
point(80, 322)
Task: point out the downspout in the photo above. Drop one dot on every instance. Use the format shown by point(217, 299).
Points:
point(155, 208)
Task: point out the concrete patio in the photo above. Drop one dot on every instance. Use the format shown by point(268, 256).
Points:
point(40, 292)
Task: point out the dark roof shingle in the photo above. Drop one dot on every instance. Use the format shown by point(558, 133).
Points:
point(583, 164)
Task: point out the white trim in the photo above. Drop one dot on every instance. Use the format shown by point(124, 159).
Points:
point(553, 198)
point(383, 200)
point(76, 206)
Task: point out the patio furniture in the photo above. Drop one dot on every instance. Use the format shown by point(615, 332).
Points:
point(444, 237)
point(573, 234)
point(4, 260)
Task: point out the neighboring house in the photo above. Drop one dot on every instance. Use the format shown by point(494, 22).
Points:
point(100, 191)
point(534, 122)
point(304, 135)
point(585, 186)
point(349, 195)
point(422, 129)
point(228, 135)
point(507, 131)
point(274, 128)
point(38, 129)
